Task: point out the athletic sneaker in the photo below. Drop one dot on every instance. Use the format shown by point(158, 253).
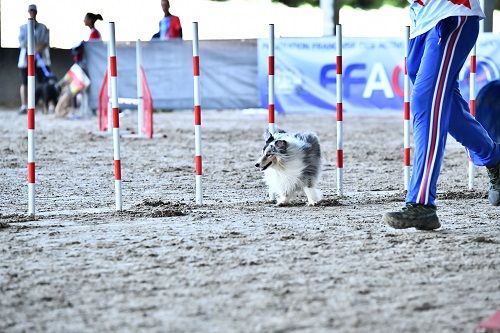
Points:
point(494, 192)
point(413, 216)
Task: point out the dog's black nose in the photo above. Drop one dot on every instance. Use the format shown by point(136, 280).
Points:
point(257, 165)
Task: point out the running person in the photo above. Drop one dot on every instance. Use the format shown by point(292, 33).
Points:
point(442, 35)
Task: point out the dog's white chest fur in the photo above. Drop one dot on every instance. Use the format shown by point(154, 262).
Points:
point(284, 179)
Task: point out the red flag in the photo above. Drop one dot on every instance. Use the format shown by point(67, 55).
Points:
point(492, 323)
point(103, 104)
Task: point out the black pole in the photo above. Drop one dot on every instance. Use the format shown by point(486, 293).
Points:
point(488, 7)
point(336, 13)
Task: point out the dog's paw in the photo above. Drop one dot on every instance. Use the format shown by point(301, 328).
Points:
point(281, 202)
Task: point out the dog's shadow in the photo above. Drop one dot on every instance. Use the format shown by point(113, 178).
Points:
point(328, 202)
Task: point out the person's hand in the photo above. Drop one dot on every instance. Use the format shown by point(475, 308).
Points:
point(40, 48)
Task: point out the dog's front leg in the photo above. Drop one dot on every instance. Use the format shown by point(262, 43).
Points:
point(313, 196)
point(283, 199)
point(272, 195)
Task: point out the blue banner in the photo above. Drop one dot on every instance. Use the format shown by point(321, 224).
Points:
point(373, 72)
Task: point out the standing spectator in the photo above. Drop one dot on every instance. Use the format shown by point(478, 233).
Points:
point(170, 25)
point(443, 33)
point(89, 21)
point(42, 52)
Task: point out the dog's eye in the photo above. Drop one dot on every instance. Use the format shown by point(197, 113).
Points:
point(268, 154)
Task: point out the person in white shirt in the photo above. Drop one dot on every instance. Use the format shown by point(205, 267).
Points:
point(41, 35)
point(442, 35)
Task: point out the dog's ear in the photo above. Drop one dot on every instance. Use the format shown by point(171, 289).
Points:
point(268, 137)
point(281, 144)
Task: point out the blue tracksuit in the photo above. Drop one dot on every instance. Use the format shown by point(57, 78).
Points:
point(434, 62)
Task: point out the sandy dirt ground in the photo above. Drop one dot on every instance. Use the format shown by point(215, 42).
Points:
point(237, 263)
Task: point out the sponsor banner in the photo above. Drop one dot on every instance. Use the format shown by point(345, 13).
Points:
point(305, 75)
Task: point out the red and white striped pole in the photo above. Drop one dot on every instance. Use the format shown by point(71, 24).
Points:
point(406, 116)
point(116, 113)
point(31, 118)
point(472, 105)
point(110, 109)
point(340, 134)
point(197, 115)
point(270, 83)
point(140, 99)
